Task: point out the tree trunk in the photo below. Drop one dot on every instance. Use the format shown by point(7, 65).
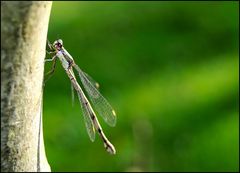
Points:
point(23, 40)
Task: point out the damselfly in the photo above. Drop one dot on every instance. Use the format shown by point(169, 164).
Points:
point(99, 103)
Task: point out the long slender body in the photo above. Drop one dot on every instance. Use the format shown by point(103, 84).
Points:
point(109, 147)
point(90, 117)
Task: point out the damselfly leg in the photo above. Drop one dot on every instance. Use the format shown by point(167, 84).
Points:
point(49, 74)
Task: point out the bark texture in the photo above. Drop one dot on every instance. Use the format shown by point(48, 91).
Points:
point(23, 39)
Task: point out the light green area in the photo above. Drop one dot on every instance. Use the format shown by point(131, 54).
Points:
point(170, 70)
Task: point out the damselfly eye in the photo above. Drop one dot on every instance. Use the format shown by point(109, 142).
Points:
point(60, 42)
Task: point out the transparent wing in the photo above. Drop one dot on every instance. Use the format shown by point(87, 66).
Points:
point(72, 88)
point(101, 105)
point(94, 83)
point(88, 122)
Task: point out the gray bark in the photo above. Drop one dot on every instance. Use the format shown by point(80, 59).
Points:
point(23, 39)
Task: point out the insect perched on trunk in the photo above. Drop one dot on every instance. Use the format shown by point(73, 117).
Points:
point(100, 104)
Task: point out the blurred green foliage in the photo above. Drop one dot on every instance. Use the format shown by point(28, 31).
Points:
point(170, 70)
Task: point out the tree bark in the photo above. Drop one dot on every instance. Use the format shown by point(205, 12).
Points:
point(24, 28)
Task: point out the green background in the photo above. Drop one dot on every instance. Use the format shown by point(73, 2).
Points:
point(169, 69)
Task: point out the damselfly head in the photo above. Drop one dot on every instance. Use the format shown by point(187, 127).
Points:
point(58, 44)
